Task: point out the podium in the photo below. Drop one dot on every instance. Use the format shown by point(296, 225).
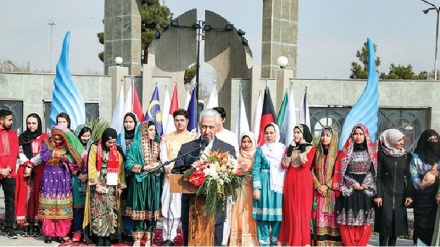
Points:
point(200, 226)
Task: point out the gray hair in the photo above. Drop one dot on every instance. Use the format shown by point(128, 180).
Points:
point(210, 113)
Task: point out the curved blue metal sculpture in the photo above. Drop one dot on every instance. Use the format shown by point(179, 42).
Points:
point(366, 108)
point(66, 96)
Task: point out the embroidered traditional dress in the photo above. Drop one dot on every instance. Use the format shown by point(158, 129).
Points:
point(55, 202)
point(268, 177)
point(324, 225)
point(145, 190)
point(355, 207)
point(171, 202)
point(298, 192)
point(28, 188)
point(104, 208)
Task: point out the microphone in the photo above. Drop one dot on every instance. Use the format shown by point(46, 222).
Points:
point(203, 143)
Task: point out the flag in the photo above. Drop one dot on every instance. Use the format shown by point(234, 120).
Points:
point(187, 99)
point(132, 103)
point(267, 115)
point(289, 120)
point(170, 127)
point(118, 112)
point(366, 108)
point(153, 112)
point(166, 106)
point(304, 112)
point(213, 98)
point(242, 123)
point(137, 107)
point(256, 118)
point(282, 111)
point(192, 113)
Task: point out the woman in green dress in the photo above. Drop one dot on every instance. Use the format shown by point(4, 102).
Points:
point(145, 190)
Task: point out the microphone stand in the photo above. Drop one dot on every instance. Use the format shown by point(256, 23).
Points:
point(143, 174)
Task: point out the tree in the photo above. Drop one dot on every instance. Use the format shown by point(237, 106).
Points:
point(401, 72)
point(190, 73)
point(153, 16)
point(360, 71)
point(12, 66)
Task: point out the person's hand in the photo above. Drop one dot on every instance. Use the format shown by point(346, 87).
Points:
point(322, 190)
point(4, 172)
point(428, 180)
point(82, 177)
point(256, 195)
point(293, 143)
point(120, 192)
point(57, 154)
point(408, 201)
point(364, 187)
point(99, 189)
point(357, 186)
point(378, 202)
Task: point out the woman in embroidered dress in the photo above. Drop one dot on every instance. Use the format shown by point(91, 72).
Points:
point(393, 194)
point(424, 175)
point(79, 185)
point(325, 227)
point(243, 226)
point(29, 176)
point(355, 180)
point(124, 140)
point(143, 203)
point(268, 182)
point(55, 202)
point(298, 189)
point(106, 180)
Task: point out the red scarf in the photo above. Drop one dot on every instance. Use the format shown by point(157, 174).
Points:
point(112, 164)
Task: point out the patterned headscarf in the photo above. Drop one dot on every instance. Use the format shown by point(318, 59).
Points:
point(62, 130)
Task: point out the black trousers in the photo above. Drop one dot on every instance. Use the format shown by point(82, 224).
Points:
point(8, 185)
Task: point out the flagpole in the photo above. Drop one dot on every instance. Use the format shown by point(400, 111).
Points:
point(132, 92)
point(239, 112)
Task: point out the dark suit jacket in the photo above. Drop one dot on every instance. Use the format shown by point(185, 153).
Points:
point(184, 164)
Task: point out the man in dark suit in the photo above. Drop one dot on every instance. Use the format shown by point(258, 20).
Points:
point(209, 121)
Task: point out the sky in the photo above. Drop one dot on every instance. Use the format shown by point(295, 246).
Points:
point(329, 32)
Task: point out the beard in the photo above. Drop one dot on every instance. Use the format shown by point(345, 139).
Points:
point(7, 127)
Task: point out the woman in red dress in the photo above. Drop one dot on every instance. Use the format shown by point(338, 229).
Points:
point(298, 189)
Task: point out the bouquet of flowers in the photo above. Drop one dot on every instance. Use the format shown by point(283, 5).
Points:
point(218, 175)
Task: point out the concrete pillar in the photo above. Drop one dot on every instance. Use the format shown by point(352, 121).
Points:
point(117, 74)
point(280, 35)
point(283, 84)
point(122, 34)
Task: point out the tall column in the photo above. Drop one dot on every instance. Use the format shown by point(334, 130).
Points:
point(280, 35)
point(122, 34)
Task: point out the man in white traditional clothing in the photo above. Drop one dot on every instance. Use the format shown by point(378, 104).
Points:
point(171, 202)
point(231, 138)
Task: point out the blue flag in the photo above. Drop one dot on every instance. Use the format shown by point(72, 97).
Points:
point(192, 113)
point(153, 112)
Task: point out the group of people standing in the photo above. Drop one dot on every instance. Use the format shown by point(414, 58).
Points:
point(116, 188)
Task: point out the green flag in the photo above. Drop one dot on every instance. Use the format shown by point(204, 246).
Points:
point(282, 111)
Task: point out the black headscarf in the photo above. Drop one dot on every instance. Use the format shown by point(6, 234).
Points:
point(107, 135)
point(307, 135)
point(26, 138)
point(129, 134)
point(428, 151)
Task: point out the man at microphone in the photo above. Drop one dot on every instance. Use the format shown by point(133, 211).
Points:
point(209, 122)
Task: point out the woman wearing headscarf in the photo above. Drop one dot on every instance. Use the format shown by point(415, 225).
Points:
point(243, 226)
point(393, 194)
point(268, 181)
point(298, 189)
point(124, 140)
point(424, 176)
point(55, 202)
point(143, 203)
point(29, 176)
point(325, 228)
point(106, 180)
point(355, 180)
point(79, 184)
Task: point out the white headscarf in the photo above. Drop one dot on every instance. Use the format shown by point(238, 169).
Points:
point(388, 140)
point(248, 154)
point(274, 153)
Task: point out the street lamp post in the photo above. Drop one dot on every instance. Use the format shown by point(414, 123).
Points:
point(51, 23)
point(436, 33)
